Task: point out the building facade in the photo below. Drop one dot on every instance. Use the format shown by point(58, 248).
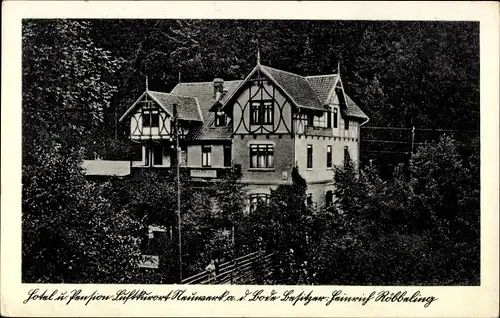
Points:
point(264, 126)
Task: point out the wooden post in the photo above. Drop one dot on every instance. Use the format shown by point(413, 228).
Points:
point(179, 221)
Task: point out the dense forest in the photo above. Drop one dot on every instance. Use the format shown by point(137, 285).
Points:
point(80, 75)
point(402, 73)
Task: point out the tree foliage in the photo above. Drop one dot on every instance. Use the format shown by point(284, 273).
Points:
point(401, 73)
point(67, 81)
point(419, 228)
point(71, 231)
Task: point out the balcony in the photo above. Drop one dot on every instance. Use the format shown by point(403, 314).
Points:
point(318, 131)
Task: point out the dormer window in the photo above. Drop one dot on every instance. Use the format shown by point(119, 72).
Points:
point(220, 118)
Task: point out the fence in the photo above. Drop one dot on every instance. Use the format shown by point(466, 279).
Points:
point(244, 269)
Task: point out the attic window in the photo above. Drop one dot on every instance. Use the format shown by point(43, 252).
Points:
point(261, 112)
point(220, 118)
point(150, 119)
point(155, 120)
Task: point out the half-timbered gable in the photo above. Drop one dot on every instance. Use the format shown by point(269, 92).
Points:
point(151, 115)
point(151, 126)
point(260, 105)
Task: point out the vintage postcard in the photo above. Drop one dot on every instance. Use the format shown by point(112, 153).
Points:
point(288, 159)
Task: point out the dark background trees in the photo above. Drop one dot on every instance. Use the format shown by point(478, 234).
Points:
point(402, 73)
point(71, 230)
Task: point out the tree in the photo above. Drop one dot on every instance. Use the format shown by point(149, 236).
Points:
point(421, 227)
point(153, 197)
point(71, 233)
point(66, 81)
point(285, 227)
point(446, 187)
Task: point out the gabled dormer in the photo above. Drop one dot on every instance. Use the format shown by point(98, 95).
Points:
point(152, 114)
point(220, 117)
point(344, 116)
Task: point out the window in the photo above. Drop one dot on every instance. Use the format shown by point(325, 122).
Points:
point(309, 199)
point(257, 199)
point(310, 120)
point(329, 119)
point(155, 120)
point(346, 123)
point(255, 113)
point(261, 156)
point(268, 112)
point(309, 156)
point(146, 120)
point(157, 155)
point(183, 158)
point(335, 118)
point(146, 156)
point(261, 112)
point(328, 156)
point(329, 198)
point(220, 118)
point(150, 119)
point(320, 121)
point(227, 156)
point(206, 152)
point(346, 156)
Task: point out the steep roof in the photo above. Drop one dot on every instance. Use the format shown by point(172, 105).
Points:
point(323, 86)
point(296, 86)
point(187, 107)
point(203, 92)
point(353, 110)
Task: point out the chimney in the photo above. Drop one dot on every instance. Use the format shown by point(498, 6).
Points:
point(218, 88)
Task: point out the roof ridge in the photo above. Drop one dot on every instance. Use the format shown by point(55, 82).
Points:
point(206, 82)
point(277, 69)
point(323, 75)
point(172, 94)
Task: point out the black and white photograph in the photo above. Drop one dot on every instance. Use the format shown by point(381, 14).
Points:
point(256, 152)
point(251, 152)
